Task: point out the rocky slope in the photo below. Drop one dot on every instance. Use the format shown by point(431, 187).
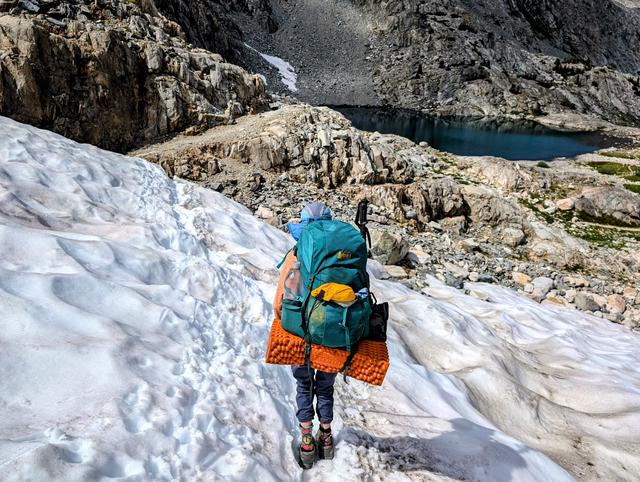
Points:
point(112, 73)
point(461, 57)
point(462, 219)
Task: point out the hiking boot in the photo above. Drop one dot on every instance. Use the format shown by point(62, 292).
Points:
point(307, 450)
point(324, 442)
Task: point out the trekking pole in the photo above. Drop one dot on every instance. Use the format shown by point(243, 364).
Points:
point(361, 221)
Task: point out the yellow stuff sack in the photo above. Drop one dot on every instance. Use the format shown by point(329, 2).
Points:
point(334, 292)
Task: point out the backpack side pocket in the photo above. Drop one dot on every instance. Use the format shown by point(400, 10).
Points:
point(292, 317)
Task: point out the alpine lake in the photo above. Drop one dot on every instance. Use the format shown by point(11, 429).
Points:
point(513, 140)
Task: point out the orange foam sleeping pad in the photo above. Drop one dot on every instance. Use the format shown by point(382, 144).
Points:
point(369, 364)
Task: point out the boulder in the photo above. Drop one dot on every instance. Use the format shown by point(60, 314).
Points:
point(424, 201)
point(542, 285)
point(616, 303)
point(388, 248)
point(570, 295)
point(610, 205)
point(520, 278)
point(506, 175)
point(397, 272)
point(554, 245)
point(457, 271)
point(488, 206)
point(264, 212)
point(600, 300)
point(512, 237)
point(584, 301)
point(566, 204)
point(418, 256)
point(435, 199)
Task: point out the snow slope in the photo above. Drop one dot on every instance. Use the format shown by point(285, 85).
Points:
point(288, 74)
point(134, 312)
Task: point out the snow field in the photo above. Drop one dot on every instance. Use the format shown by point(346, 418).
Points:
point(134, 313)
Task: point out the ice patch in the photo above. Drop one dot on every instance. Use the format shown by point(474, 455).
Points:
point(287, 72)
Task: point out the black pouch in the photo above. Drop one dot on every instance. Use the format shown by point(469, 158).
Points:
point(378, 322)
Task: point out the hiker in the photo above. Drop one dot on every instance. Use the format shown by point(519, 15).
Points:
point(323, 299)
point(310, 382)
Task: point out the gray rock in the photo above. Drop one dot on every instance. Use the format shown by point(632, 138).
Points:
point(512, 236)
point(610, 202)
point(486, 278)
point(418, 256)
point(30, 5)
point(453, 281)
point(542, 285)
point(488, 206)
point(397, 272)
point(388, 248)
point(584, 301)
point(570, 295)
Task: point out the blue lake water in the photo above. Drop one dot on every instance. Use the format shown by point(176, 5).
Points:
point(509, 140)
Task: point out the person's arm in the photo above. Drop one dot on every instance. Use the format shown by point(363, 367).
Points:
point(284, 271)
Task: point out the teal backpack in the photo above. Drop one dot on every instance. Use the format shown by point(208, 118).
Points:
point(330, 251)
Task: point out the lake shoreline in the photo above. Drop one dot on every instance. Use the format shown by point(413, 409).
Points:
point(602, 134)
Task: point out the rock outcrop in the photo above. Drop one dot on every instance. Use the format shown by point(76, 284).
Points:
point(311, 144)
point(610, 203)
point(113, 75)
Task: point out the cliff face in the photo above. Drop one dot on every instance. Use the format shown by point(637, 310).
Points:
point(467, 57)
point(114, 75)
point(605, 32)
point(217, 24)
point(514, 57)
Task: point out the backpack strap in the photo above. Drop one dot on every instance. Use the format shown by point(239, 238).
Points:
point(347, 338)
point(347, 363)
point(307, 335)
point(284, 258)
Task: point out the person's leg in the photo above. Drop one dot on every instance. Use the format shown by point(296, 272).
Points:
point(324, 394)
point(305, 415)
point(303, 396)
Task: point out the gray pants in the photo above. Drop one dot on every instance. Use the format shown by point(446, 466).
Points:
point(322, 389)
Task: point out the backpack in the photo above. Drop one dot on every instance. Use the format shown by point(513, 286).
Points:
point(334, 303)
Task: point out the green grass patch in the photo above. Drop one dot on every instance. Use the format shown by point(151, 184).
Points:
point(543, 164)
point(604, 236)
point(615, 169)
point(549, 218)
point(626, 171)
point(633, 187)
point(622, 154)
point(606, 220)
